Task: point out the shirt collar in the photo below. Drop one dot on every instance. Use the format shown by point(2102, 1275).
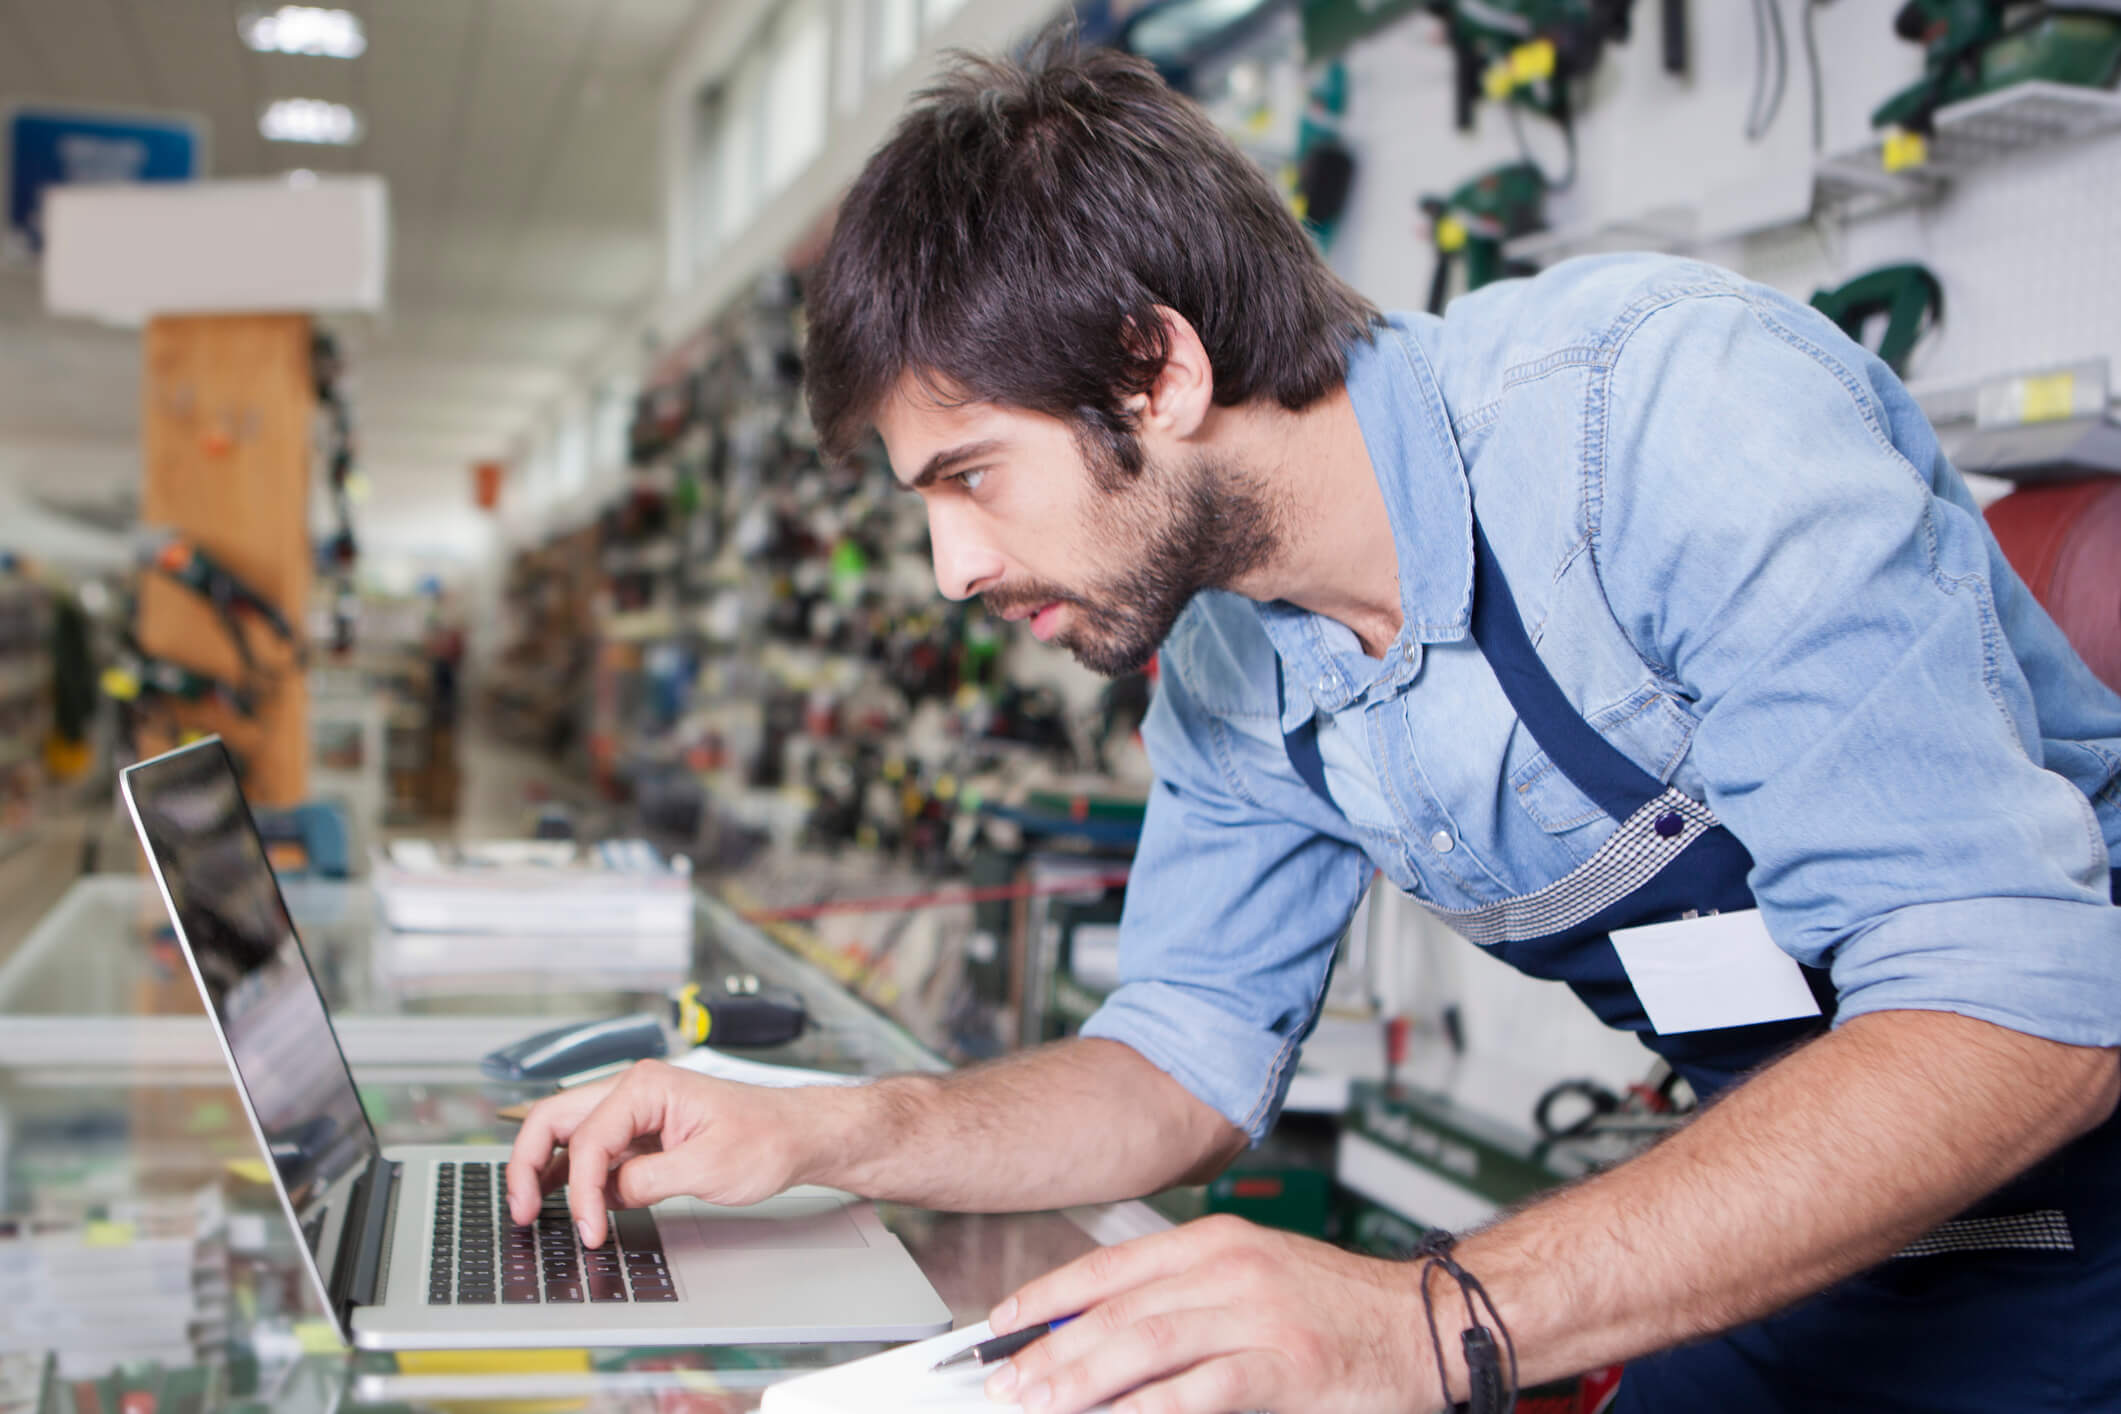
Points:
point(1407, 432)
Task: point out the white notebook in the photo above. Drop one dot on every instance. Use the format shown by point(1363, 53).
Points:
point(901, 1379)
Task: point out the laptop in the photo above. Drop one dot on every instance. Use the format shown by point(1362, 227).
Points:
point(412, 1247)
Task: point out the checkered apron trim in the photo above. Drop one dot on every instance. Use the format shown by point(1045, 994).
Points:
point(2045, 1230)
point(1631, 858)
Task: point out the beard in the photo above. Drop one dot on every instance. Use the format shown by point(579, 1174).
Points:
point(1199, 524)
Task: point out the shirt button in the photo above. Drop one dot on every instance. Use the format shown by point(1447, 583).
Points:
point(1442, 842)
point(1413, 651)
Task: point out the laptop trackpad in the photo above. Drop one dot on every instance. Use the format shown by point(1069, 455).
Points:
point(777, 1225)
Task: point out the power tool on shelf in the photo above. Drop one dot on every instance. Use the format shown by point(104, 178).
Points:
point(1324, 169)
point(1528, 52)
point(1472, 223)
point(1974, 47)
point(1908, 297)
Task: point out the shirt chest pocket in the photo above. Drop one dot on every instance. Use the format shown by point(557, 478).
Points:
point(1647, 727)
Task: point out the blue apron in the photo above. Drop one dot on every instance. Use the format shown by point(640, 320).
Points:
point(2015, 1305)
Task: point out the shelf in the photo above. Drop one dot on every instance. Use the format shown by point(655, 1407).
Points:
point(1969, 135)
point(1669, 228)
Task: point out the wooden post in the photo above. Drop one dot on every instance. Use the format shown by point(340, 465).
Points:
point(226, 433)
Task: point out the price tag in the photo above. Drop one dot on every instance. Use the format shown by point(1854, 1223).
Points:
point(1905, 150)
point(2048, 398)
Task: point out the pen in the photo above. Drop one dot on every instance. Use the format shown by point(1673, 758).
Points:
point(987, 1352)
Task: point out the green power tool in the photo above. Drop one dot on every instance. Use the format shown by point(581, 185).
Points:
point(1472, 223)
point(1908, 297)
point(1972, 47)
point(1528, 51)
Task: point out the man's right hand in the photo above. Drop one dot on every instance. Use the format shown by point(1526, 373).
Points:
point(651, 1133)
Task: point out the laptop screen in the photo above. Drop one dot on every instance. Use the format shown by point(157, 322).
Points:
point(230, 917)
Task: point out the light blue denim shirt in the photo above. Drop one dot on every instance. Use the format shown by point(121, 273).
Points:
point(1741, 553)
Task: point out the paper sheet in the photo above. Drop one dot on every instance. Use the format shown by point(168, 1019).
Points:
point(723, 1066)
point(901, 1379)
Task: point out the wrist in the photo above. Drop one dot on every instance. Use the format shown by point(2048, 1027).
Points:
point(843, 1134)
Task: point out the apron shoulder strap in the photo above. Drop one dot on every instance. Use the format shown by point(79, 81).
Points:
point(1594, 765)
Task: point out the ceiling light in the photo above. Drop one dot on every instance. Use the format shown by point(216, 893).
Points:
point(310, 120)
point(304, 29)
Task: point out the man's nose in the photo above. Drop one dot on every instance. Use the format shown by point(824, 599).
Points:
point(964, 564)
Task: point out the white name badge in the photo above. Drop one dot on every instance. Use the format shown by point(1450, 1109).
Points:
point(1697, 974)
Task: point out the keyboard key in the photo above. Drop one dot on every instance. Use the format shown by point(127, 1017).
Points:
point(563, 1291)
point(635, 1230)
point(606, 1288)
point(519, 1295)
point(662, 1293)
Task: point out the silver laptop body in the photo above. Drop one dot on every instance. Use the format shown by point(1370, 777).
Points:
point(412, 1247)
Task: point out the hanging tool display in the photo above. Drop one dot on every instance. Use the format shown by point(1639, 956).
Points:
point(1972, 47)
point(1771, 72)
point(1471, 224)
point(1325, 168)
point(138, 681)
point(336, 556)
point(1909, 298)
point(234, 602)
point(1527, 54)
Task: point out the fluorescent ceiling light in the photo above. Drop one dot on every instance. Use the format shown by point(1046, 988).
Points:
point(310, 120)
point(304, 29)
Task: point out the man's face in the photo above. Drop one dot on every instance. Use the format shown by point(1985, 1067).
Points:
point(1099, 561)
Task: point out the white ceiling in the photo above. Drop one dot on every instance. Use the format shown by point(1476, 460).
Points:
point(520, 141)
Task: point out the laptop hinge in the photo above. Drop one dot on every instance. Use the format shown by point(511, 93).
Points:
point(360, 1262)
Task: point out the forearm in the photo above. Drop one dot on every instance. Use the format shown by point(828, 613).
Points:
point(1080, 1121)
point(1822, 1165)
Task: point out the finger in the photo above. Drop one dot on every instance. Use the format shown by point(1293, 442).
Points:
point(1114, 1320)
point(634, 1107)
point(647, 1179)
point(547, 1125)
point(1150, 1349)
point(1249, 1379)
point(1108, 1271)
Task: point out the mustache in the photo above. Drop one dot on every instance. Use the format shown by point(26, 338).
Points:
point(1004, 598)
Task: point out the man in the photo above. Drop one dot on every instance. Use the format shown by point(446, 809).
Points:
point(1628, 594)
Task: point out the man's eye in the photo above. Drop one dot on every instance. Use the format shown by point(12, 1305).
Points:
point(971, 480)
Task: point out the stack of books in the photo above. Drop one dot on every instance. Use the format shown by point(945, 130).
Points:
point(146, 1281)
point(532, 906)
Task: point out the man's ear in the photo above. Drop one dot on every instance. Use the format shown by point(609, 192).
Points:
point(1184, 391)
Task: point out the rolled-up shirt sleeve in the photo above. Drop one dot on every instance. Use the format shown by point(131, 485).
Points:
point(1827, 608)
point(1231, 919)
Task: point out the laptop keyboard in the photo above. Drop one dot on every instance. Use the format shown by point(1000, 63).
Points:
point(480, 1257)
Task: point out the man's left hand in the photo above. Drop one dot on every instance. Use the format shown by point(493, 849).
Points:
point(1220, 1315)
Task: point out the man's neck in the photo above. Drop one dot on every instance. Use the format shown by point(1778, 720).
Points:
point(1337, 555)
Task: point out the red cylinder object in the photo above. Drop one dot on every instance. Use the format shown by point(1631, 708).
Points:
point(486, 484)
point(2064, 539)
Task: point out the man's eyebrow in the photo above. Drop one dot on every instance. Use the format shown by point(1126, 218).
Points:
point(943, 461)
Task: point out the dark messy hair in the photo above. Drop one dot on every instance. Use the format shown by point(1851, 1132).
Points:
point(1011, 241)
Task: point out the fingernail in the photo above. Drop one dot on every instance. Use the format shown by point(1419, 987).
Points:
point(1002, 1382)
point(1004, 1314)
point(581, 1230)
point(1037, 1397)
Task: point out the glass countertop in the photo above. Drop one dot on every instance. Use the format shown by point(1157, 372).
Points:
point(115, 1106)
